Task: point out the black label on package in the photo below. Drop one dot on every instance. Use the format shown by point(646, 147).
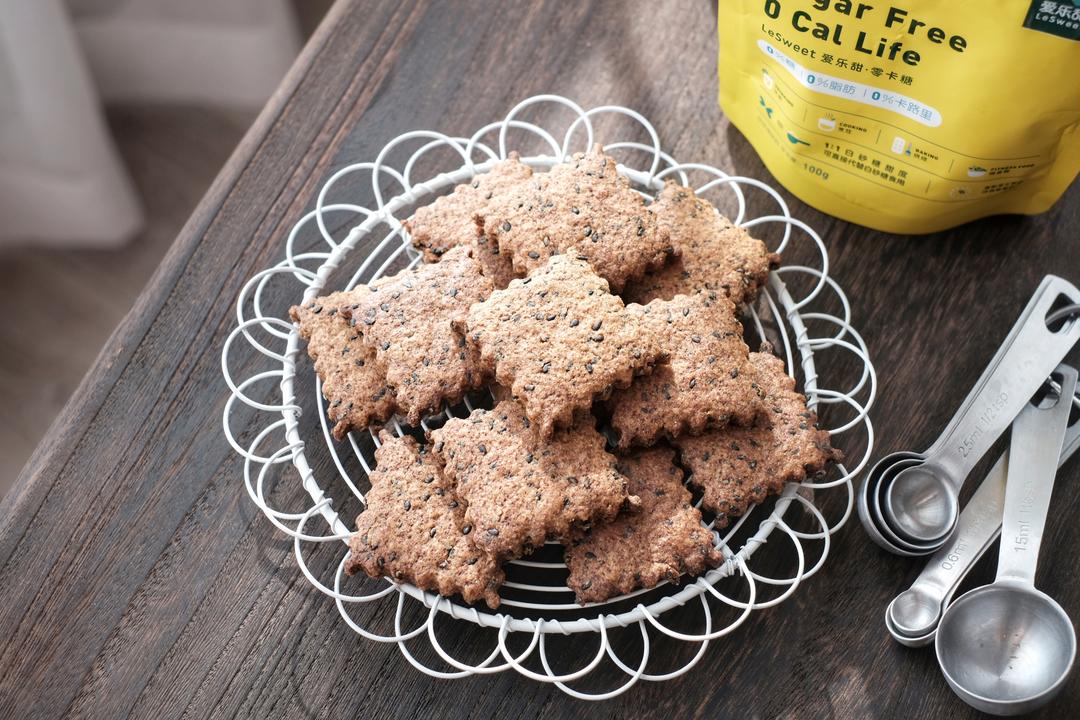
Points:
point(1056, 17)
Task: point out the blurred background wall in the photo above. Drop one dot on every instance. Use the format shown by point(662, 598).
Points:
point(115, 116)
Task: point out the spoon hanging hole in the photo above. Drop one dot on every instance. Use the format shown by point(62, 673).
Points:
point(1063, 314)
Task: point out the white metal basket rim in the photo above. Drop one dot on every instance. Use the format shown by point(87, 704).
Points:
point(701, 587)
point(489, 619)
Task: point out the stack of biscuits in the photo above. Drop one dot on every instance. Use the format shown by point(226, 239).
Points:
point(581, 306)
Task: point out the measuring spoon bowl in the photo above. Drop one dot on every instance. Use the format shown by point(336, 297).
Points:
point(895, 539)
point(921, 504)
point(888, 537)
point(868, 497)
point(919, 642)
point(889, 462)
point(910, 641)
point(1006, 648)
point(913, 613)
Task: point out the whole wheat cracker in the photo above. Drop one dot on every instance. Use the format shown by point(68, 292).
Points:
point(353, 384)
point(521, 490)
point(456, 219)
point(582, 207)
point(558, 339)
point(707, 380)
point(737, 467)
point(408, 321)
point(713, 253)
point(661, 540)
point(413, 528)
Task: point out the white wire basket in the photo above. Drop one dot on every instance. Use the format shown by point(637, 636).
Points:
point(536, 604)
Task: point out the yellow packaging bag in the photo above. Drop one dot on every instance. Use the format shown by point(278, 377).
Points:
point(910, 117)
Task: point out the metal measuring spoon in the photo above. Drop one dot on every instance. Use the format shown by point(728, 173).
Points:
point(870, 501)
point(879, 527)
point(919, 502)
point(913, 615)
point(1007, 648)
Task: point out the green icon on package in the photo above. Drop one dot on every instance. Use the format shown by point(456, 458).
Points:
point(768, 110)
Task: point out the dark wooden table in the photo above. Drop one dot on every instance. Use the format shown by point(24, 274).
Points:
point(137, 577)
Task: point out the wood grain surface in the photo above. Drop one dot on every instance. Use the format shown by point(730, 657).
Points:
point(137, 579)
point(172, 154)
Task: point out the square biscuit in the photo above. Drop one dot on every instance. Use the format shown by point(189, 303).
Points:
point(713, 253)
point(584, 208)
point(413, 528)
point(408, 322)
point(453, 220)
point(353, 384)
point(520, 490)
point(706, 382)
point(738, 467)
point(660, 540)
point(558, 339)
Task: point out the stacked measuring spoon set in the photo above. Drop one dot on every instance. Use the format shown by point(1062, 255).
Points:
point(1005, 648)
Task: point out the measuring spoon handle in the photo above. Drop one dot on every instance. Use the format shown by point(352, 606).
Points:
point(1033, 354)
point(1037, 438)
point(961, 411)
point(976, 529)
